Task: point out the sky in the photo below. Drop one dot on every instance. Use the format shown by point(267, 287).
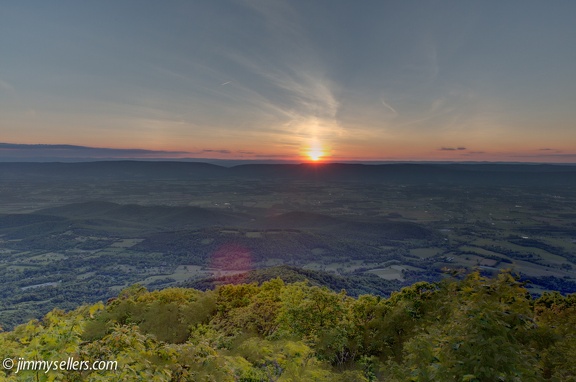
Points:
point(333, 80)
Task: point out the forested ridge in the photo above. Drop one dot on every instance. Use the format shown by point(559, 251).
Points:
point(355, 285)
point(469, 329)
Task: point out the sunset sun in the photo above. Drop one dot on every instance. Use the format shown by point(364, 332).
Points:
point(315, 154)
point(315, 151)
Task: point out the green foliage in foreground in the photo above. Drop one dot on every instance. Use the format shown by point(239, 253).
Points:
point(475, 329)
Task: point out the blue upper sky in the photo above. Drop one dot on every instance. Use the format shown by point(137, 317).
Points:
point(386, 80)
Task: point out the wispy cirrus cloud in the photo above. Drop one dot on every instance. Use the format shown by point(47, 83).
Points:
point(387, 106)
point(288, 81)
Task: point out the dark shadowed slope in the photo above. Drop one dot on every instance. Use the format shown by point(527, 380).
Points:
point(382, 228)
point(465, 174)
point(157, 216)
point(113, 170)
point(428, 173)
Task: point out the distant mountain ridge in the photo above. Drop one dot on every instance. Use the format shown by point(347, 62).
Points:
point(545, 175)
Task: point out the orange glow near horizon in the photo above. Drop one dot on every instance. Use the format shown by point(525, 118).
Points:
point(312, 149)
point(315, 152)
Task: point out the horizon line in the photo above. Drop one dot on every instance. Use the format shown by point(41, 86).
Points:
point(235, 162)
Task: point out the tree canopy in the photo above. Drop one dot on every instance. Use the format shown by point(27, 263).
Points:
point(472, 329)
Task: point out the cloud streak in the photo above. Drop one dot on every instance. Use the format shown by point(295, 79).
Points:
point(216, 151)
point(452, 149)
point(55, 152)
point(22, 151)
point(386, 105)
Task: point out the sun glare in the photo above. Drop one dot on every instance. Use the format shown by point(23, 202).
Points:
point(315, 151)
point(315, 154)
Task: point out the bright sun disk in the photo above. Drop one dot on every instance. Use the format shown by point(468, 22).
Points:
point(315, 154)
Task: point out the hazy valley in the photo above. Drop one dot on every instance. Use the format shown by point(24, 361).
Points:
point(79, 233)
